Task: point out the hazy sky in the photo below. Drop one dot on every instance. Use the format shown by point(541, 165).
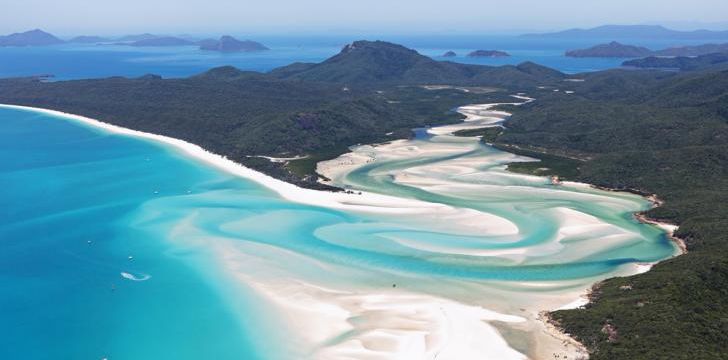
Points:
point(68, 17)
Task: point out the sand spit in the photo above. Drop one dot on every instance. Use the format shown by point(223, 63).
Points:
point(450, 177)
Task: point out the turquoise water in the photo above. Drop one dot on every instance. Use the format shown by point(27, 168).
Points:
point(87, 213)
point(67, 192)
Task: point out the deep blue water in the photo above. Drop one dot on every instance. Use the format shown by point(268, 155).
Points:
point(92, 61)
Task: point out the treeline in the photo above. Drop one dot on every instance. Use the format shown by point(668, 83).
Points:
point(240, 114)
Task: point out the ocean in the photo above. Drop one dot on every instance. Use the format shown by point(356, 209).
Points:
point(78, 61)
point(123, 248)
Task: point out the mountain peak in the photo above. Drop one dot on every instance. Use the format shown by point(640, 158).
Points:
point(613, 49)
point(379, 51)
point(228, 73)
point(35, 37)
point(366, 61)
point(376, 44)
point(376, 62)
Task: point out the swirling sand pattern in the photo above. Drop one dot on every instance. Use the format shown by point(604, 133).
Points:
point(445, 255)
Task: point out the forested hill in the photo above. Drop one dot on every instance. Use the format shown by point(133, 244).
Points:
point(378, 62)
point(655, 132)
point(684, 63)
point(286, 112)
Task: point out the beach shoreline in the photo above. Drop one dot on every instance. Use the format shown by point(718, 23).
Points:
point(352, 160)
point(476, 116)
point(318, 297)
point(641, 216)
point(361, 201)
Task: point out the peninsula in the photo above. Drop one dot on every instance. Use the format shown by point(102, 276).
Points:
point(683, 63)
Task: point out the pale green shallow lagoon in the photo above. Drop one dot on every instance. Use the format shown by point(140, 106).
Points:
point(228, 260)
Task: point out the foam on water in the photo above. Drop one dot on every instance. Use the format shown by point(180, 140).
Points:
point(139, 277)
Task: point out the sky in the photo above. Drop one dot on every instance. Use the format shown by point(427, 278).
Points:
point(105, 17)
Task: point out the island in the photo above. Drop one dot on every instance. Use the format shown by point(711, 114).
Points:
point(682, 63)
point(162, 41)
point(618, 50)
point(611, 50)
point(86, 39)
point(449, 54)
point(137, 37)
point(35, 37)
point(228, 43)
point(631, 32)
point(694, 50)
point(488, 53)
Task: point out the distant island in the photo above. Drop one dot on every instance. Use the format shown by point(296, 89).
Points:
point(35, 37)
point(137, 37)
point(625, 32)
point(488, 53)
point(618, 50)
point(88, 40)
point(695, 50)
point(228, 43)
point(611, 50)
point(225, 43)
point(162, 41)
point(449, 54)
point(682, 63)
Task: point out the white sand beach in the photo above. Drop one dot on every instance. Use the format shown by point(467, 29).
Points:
point(459, 320)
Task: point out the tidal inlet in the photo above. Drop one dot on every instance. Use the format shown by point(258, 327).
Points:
point(154, 248)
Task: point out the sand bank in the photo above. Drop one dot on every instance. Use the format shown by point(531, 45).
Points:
point(360, 202)
point(337, 322)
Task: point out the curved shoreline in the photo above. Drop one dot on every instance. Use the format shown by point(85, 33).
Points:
point(362, 201)
point(551, 327)
point(335, 308)
point(366, 202)
point(642, 217)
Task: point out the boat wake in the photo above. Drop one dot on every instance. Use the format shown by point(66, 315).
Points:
point(133, 277)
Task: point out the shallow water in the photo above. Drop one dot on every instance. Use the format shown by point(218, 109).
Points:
point(113, 246)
